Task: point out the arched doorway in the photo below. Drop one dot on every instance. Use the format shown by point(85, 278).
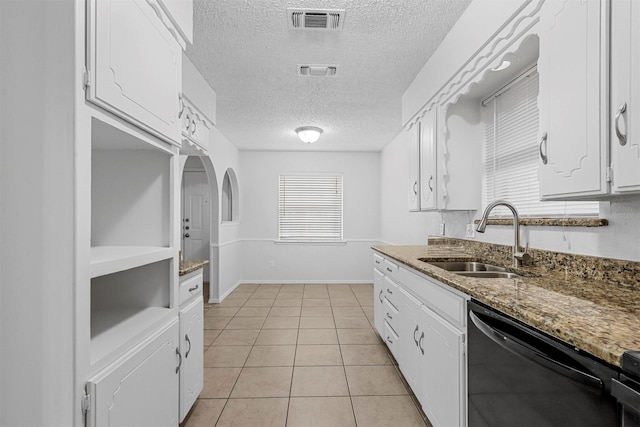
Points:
point(200, 217)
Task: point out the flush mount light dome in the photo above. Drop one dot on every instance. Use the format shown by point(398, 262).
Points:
point(308, 134)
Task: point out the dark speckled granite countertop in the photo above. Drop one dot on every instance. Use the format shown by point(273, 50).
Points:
point(189, 266)
point(594, 307)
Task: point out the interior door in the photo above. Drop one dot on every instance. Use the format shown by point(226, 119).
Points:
point(195, 216)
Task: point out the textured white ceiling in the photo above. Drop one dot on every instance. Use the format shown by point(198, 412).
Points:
point(246, 52)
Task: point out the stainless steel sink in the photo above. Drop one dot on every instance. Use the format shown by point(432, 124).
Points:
point(489, 274)
point(473, 269)
point(466, 266)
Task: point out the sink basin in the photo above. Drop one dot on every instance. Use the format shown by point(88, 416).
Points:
point(465, 266)
point(489, 274)
point(473, 269)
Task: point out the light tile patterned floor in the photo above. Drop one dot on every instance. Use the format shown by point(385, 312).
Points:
point(299, 355)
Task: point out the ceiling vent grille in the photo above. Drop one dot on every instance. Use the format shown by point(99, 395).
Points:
point(309, 70)
point(315, 19)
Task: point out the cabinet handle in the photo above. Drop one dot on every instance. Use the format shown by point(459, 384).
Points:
point(180, 106)
point(380, 296)
point(195, 288)
point(186, 338)
point(389, 316)
point(414, 335)
point(389, 270)
point(389, 291)
point(429, 184)
point(543, 156)
point(622, 138)
point(179, 359)
point(420, 343)
point(415, 187)
point(389, 340)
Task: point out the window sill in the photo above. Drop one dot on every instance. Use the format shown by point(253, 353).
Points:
point(311, 242)
point(551, 222)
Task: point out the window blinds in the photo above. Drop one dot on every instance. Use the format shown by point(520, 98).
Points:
point(310, 207)
point(511, 154)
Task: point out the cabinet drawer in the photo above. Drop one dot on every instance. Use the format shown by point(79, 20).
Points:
point(378, 262)
point(391, 339)
point(391, 315)
point(390, 268)
point(446, 302)
point(391, 292)
point(190, 286)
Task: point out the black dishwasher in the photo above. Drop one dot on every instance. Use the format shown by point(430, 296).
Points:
point(519, 376)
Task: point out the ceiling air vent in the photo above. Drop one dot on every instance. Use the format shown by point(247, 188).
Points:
point(315, 19)
point(316, 70)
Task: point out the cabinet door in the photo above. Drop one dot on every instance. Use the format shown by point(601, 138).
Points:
point(428, 160)
point(135, 66)
point(141, 389)
point(378, 301)
point(572, 99)
point(442, 390)
point(191, 347)
point(410, 328)
point(625, 95)
point(414, 168)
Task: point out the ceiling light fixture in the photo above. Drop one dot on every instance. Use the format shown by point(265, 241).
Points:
point(308, 134)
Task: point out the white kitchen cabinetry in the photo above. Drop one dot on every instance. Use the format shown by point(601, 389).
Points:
point(140, 388)
point(135, 65)
point(573, 68)
point(378, 297)
point(625, 95)
point(191, 340)
point(198, 113)
point(426, 334)
point(181, 14)
point(414, 168)
point(428, 160)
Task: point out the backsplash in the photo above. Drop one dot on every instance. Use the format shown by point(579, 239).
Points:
point(615, 271)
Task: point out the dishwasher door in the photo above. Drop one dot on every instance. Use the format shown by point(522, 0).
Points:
point(518, 376)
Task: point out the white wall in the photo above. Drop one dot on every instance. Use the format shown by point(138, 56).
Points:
point(268, 261)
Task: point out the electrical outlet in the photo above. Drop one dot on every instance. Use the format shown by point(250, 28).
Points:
point(471, 232)
point(442, 228)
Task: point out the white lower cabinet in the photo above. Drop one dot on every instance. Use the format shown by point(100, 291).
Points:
point(378, 300)
point(191, 347)
point(426, 335)
point(140, 389)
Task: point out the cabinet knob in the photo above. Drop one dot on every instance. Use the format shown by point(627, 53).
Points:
point(622, 138)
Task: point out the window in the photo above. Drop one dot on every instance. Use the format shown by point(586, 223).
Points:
point(227, 199)
point(310, 207)
point(511, 152)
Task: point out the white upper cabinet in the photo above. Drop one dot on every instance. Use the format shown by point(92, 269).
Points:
point(198, 114)
point(181, 14)
point(572, 100)
point(428, 160)
point(625, 95)
point(414, 167)
point(135, 65)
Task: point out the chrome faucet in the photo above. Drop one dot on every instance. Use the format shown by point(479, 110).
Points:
point(519, 256)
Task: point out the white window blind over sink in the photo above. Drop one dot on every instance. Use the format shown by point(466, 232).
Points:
point(511, 157)
point(310, 207)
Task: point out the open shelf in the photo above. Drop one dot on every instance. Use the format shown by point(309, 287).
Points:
point(111, 259)
point(112, 329)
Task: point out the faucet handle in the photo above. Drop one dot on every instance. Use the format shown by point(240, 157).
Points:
point(523, 257)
